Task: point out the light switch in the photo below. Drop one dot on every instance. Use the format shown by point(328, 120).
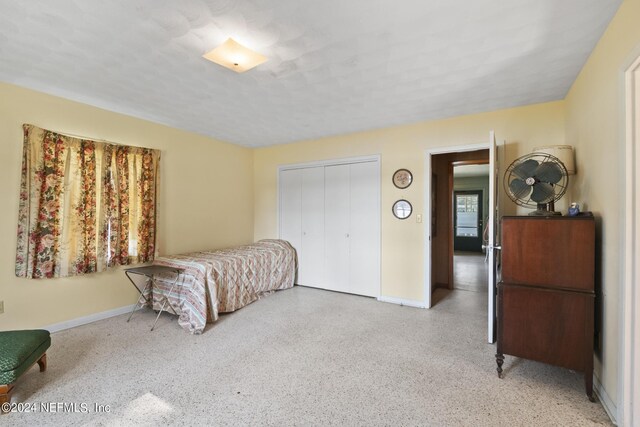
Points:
point(418, 218)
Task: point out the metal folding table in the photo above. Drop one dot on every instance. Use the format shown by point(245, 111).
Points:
point(146, 293)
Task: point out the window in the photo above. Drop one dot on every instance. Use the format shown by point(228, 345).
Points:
point(84, 205)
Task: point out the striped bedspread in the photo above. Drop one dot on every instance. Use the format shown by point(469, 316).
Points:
point(224, 280)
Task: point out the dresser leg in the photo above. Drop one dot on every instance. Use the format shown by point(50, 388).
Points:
point(499, 361)
point(588, 372)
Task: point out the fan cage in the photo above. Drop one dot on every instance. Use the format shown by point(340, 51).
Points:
point(560, 188)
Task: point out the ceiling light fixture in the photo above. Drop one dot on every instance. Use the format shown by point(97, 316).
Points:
point(234, 56)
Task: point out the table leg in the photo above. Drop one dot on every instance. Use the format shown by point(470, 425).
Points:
point(165, 300)
point(147, 287)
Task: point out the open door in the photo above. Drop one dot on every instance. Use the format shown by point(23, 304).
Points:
point(492, 232)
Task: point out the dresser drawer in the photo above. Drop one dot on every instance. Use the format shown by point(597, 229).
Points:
point(556, 252)
point(546, 325)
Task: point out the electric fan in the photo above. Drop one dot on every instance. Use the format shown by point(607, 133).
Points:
point(536, 180)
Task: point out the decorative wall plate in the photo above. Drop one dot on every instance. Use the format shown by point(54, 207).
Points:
point(402, 209)
point(402, 178)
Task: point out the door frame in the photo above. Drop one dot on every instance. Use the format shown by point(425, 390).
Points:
point(629, 373)
point(429, 153)
point(333, 162)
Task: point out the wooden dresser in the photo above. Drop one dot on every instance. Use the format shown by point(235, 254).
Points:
point(546, 297)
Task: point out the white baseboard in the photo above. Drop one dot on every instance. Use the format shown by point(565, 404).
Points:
point(401, 301)
point(68, 324)
point(606, 401)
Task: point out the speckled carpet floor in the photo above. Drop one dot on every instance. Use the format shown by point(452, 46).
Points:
point(300, 357)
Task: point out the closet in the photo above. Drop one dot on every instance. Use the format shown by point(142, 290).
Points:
point(330, 213)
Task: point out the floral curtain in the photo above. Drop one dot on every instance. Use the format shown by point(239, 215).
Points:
point(84, 205)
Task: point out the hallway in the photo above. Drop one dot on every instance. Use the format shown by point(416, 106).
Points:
point(469, 271)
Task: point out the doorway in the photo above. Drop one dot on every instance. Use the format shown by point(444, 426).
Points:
point(439, 207)
point(460, 193)
point(471, 206)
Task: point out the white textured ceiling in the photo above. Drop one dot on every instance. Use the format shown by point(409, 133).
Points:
point(335, 66)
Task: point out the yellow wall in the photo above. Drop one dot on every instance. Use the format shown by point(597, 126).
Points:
point(404, 147)
point(196, 193)
point(595, 126)
point(196, 216)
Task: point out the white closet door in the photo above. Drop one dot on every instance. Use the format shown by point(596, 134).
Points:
point(364, 274)
point(311, 255)
point(290, 207)
point(336, 220)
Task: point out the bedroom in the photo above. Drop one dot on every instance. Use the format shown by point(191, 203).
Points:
point(202, 176)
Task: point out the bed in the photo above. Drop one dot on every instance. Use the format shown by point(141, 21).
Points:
point(224, 280)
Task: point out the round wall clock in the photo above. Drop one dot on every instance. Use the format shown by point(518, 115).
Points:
point(402, 209)
point(402, 178)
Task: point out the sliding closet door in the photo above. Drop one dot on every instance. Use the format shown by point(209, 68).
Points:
point(364, 232)
point(336, 219)
point(290, 207)
point(311, 253)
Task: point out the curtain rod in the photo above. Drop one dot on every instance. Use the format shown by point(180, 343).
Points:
point(98, 139)
point(103, 140)
point(73, 135)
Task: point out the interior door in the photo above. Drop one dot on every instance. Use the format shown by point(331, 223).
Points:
point(492, 231)
point(290, 208)
point(311, 256)
point(336, 219)
point(364, 231)
point(467, 220)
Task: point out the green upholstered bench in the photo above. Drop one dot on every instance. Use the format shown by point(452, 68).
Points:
point(20, 350)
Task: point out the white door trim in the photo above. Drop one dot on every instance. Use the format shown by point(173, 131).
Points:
point(427, 207)
point(629, 375)
point(330, 162)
